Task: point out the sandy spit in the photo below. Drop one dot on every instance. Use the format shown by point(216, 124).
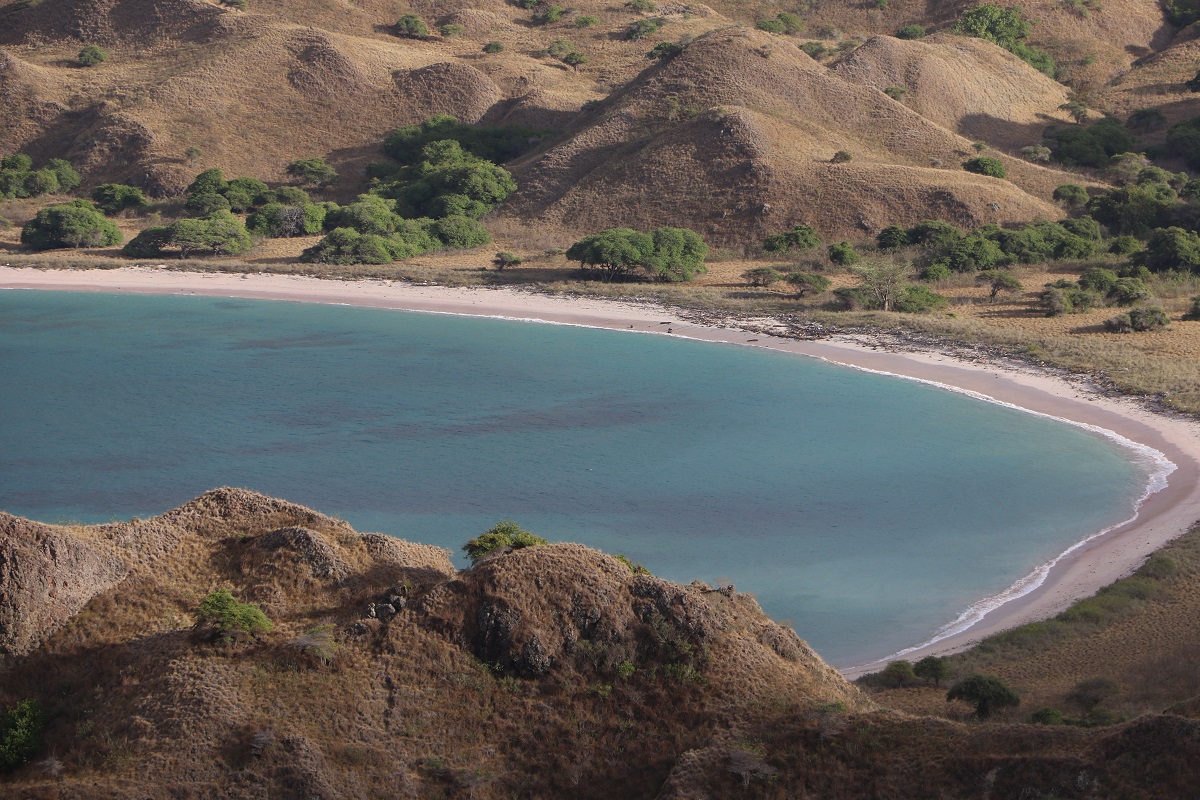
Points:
point(1166, 514)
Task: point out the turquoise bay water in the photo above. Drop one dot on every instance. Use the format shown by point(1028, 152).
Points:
point(865, 510)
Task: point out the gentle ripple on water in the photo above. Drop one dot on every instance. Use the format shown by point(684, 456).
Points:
point(867, 511)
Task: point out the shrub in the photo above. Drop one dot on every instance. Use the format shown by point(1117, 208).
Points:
point(315, 171)
point(491, 48)
point(1083, 227)
point(1133, 209)
point(113, 198)
point(896, 92)
point(575, 59)
point(641, 6)
point(459, 231)
point(1193, 312)
point(205, 203)
point(21, 731)
point(770, 26)
point(505, 259)
point(641, 28)
point(989, 694)
point(279, 221)
point(936, 271)
point(910, 32)
point(231, 619)
point(452, 29)
point(43, 181)
point(807, 283)
point(801, 237)
point(792, 23)
point(982, 165)
point(971, 254)
point(1124, 245)
point(1071, 195)
point(77, 224)
point(664, 50)
point(1000, 281)
point(1098, 280)
point(840, 157)
point(814, 49)
point(843, 254)
point(410, 25)
point(586, 21)
point(1047, 716)
point(1036, 153)
point(548, 14)
point(1150, 318)
point(1007, 28)
point(914, 299)
point(504, 536)
point(933, 233)
point(1173, 249)
point(762, 276)
point(1128, 291)
point(91, 55)
point(891, 237)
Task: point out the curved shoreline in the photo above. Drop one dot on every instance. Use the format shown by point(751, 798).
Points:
point(1078, 572)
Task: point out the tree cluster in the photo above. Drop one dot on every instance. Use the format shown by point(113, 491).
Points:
point(18, 178)
point(1006, 27)
point(75, 225)
point(218, 233)
point(665, 254)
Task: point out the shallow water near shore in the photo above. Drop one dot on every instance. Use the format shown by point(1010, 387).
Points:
point(867, 511)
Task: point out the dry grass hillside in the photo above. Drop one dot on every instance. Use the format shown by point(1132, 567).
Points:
point(546, 672)
point(732, 138)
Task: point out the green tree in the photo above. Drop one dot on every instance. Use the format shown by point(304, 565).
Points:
point(91, 55)
point(504, 536)
point(678, 254)
point(1173, 249)
point(891, 237)
point(461, 232)
point(40, 182)
point(613, 253)
point(932, 669)
point(21, 730)
point(76, 224)
point(843, 254)
point(1000, 281)
point(808, 283)
point(548, 14)
point(1071, 195)
point(801, 237)
point(277, 221)
point(492, 48)
point(898, 674)
point(312, 171)
point(911, 32)
point(664, 50)
point(882, 281)
point(68, 178)
point(771, 26)
point(1133, 210)
point(641, 28)
point(231, 619)
point(410, 25)
point(762, 276)
point(989, 694)
point(982, 165)
point(209, 181)
point(113, 198)
point(1099, 280)
point(575, 59)
point(914, 299)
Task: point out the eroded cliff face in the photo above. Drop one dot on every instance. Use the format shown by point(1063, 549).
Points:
point(47, 575)
point(551, 671)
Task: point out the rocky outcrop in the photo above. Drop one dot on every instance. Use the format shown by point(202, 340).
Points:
point(47, 575)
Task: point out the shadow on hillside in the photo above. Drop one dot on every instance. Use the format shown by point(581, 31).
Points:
point(1007, 133)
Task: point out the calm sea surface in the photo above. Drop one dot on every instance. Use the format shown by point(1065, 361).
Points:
point(867, 511)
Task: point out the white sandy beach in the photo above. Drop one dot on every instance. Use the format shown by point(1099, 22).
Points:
point(1165, 515)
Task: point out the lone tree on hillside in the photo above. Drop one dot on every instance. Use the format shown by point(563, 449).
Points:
point(987, 693)
point(230, 619)
point(503, 537)
point(314, 171)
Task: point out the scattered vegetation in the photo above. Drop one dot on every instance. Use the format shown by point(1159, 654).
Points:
point(230, 619)
point(503, 537)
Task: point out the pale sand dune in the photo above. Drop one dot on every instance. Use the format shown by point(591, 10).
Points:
point(1165, 515)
